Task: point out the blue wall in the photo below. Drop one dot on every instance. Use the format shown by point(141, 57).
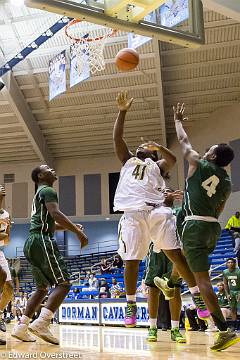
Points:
point(101, 234)
point(19, 234)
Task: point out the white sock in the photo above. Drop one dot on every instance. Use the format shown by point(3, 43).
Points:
point(131, 298)
point(152, 323)
point(194, 290)
point(25, 320)
point(46, 314)
point(174, 324)
point(8, 314)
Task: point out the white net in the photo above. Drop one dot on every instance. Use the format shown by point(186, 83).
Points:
point(88, 44)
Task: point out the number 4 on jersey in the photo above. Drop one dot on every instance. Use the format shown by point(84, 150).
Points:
point(210, 185)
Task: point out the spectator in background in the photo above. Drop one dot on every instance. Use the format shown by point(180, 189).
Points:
point(93, 282)
point(86, 279)
point(223, 300)
point(105, 268)
point(231, 279)
point(141, 291)
point(17, 308)
point(115, 289)
point(23, 302)
point(104, 290)
point(117, 262)
point(14, 274)
point(233, 225)
point(195, 323)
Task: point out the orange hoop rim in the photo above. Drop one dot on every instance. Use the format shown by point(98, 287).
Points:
point(81, 39)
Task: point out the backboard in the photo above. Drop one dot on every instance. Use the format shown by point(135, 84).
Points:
point(174, 21)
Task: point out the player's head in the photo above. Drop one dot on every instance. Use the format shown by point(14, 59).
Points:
point(2, 191)
point(237, 214)
point(221, 155)
point(220, 286)
point(43, 174)
point(168, 197)
point(114, 281)
point(231, 263)
point(143, 152)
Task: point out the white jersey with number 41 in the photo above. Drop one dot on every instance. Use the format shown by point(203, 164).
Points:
point(140, 183)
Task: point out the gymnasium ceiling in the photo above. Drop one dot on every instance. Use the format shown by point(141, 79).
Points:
point(78, 124)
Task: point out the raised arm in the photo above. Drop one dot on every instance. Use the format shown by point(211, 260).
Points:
point(65, 223)
point(168, 158)
point(120, 145)
point(189, 154)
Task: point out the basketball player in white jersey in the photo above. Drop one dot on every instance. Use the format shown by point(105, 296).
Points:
point(6, 286)
point(140, 195)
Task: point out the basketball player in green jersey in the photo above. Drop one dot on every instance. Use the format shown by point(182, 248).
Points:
point(158, 265)
point(231, 278)
point(207, 189)
point(48, 267)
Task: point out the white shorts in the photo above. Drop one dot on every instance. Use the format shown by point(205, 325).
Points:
point(137, 229)
point(4, 266)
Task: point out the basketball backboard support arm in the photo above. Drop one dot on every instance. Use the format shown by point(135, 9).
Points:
point(98, 16)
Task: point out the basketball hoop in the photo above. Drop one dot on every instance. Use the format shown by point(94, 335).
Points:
point(88, 43)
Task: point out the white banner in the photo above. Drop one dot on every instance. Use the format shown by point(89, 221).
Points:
point(114, 313)
point(57, 75)
point(75, 76)
point(86, 313)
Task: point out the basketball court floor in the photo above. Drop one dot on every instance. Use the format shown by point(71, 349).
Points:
point(92, 342)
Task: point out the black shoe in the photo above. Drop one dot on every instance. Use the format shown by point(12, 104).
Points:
point(2, 342)
point(2, 325)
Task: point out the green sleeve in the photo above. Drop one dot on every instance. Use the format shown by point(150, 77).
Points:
point(224, 274)
point(48, 194)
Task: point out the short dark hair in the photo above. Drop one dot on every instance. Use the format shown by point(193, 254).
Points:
point(35, 174)
point(232, 259)
point(224, 155)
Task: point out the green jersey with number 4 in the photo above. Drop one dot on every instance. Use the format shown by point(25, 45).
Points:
point(41, 220)
point(206, 190)
point(233, 279)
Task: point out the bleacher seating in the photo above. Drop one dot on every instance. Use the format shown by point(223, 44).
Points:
point(223, 251)
point(82, 264)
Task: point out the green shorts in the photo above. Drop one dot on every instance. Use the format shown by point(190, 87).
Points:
point(199, 239)
point(48, 266)
point(235, 299)
point(157, 264)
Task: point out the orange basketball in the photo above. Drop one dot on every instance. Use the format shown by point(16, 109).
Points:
point(127, 59)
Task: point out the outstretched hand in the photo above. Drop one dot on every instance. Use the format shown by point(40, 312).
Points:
point(178, 195)
point(179, 112)
point(123, 102)
point(152, 146)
